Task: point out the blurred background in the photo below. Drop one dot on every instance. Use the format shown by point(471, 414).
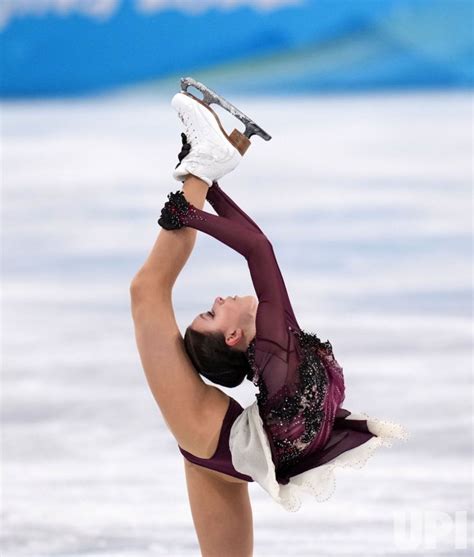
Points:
point(364, 191)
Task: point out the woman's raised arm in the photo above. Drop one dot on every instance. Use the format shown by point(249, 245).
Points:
point(251, 243)
point(225, 206)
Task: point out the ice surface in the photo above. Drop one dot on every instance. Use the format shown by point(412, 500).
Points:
point(367, 202)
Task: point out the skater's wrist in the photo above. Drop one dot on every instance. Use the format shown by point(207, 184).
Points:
point(182, 207)
point(173, 214)
point(212, 193)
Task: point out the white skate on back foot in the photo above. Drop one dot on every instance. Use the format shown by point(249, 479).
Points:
point(212, 154)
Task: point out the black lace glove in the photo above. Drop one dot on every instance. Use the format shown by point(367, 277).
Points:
point(174, 211)
point(186, 147)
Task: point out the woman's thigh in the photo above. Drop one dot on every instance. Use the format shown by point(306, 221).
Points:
point(222, 513)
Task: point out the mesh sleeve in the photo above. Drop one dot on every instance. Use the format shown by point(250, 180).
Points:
point(226, 207)
point(236, 230)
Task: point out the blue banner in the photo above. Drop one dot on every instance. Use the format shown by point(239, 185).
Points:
point(56, 48)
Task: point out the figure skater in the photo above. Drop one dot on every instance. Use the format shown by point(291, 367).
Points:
point(296, 432)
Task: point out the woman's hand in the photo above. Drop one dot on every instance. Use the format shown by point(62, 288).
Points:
point(186, 147)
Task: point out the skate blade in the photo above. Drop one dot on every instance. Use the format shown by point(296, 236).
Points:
point(240, 140)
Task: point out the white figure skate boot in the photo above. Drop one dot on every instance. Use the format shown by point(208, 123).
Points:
point(212, 154)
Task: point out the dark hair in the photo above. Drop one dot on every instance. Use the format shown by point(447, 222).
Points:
point(215, 359)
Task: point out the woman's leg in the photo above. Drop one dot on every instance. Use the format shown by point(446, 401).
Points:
point(222, 514)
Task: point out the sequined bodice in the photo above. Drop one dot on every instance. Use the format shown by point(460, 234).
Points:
point(294, 415)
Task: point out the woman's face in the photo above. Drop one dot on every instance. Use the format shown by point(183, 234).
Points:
point(233, 316)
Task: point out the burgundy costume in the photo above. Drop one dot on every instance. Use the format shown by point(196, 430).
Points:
point(301, 385)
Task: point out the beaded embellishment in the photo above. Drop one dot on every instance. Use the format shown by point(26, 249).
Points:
point(176, 211)
point(250, 353)
point(295, 404)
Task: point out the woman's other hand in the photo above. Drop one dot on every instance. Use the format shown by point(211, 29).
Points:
point(186, 147)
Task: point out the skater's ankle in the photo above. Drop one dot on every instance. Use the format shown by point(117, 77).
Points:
point(192, 181)
point(195, 191)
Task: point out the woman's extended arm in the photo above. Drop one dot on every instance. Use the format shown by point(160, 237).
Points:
point(225, 206)
point(272, 333)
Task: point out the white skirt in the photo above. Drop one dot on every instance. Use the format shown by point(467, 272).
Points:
point(251, 455)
